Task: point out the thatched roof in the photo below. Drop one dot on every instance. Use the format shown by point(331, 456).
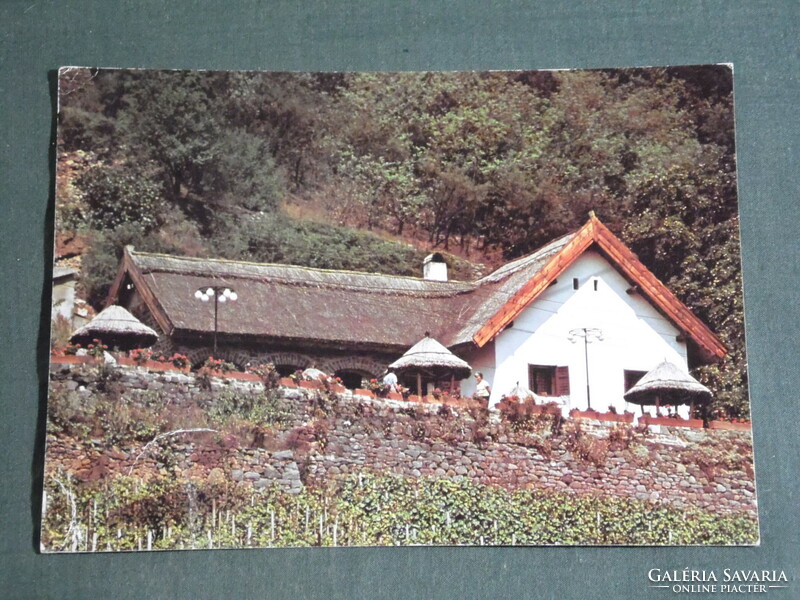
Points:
point(293, 304)
point(670, 385)
point(115, 326)
point(496, 289)
point(430, 356)
point(282, 302)
point(564, 252)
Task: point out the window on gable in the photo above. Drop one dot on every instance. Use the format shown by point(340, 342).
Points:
point(632, 378)
point(548, 380)
point(126, 293)
point(575, 283)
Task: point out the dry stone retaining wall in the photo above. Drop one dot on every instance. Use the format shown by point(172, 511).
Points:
point(326, 437)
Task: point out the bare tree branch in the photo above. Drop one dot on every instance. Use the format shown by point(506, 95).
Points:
point(161, 436)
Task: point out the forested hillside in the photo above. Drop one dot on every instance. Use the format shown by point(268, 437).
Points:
point(369, 171)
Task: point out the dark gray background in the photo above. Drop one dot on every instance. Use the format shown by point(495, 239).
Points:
point(760, 38)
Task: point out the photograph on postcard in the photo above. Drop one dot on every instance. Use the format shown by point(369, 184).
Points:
point(373, 309)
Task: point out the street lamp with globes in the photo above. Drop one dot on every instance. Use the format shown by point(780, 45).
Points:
point(589, 334)
point(220, 294)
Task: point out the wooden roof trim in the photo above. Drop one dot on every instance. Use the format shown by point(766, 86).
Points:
point(536, 285)
point(658, 293)
point(128, 266)
point(595, 232)
point(113, 291)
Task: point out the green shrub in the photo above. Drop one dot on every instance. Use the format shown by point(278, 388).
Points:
point(264, 408)
point(116, 196)
point(67, 412)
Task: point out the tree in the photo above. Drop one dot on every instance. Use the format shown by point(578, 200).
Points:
point(100, 263)
point(686, 230)
point(119, 195)
point(498, 162)
point(179, 123)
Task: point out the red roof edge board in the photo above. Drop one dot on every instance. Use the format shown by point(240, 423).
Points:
point(594, 232)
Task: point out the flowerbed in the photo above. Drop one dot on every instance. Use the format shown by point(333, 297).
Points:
point(598, 416)
point(731, 425)
point(72, 359)
point(670, 421)
point(157, 365)
point(311, 385)
point(239, 375)
point(515, 409)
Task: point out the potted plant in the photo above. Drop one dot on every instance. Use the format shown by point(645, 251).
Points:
point(69, 354)
point(96, 349)
point(141, 356)
point(217, 367)
point(180, 361)
point(266, 372)
point(334, 385)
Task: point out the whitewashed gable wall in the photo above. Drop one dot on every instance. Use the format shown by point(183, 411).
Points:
point(635, 336)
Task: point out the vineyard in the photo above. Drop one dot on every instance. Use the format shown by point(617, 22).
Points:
point(126, 514)
point(160, 463)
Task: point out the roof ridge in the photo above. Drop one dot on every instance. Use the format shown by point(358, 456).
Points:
point(301, 276)
point(507, 269)
point(198, 259)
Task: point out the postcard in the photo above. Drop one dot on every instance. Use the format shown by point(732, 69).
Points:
point(389, 309)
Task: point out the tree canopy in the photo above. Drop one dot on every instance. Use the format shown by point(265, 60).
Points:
point(371, 170)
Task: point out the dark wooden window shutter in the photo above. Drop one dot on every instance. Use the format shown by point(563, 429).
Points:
point(562, 381)
point(632, 378)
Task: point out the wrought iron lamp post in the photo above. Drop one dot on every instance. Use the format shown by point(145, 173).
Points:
point(589, 334)
point(220, 294)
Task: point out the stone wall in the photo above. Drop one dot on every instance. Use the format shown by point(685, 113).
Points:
point(325, 436)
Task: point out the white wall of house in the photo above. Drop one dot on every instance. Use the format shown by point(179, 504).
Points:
point(481, 360)
point(634, 337)
point(63, 298)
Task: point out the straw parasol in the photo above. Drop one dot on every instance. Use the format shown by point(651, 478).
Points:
point(116, 327)
point(668, 384)
point(428, 357)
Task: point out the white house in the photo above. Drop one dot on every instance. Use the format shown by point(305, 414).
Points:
point(63, 305)
point(581, 305)
point(66, 306)
point(586, 322)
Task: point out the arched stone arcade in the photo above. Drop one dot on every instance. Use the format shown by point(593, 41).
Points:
point(353, 369)
point(288, 362)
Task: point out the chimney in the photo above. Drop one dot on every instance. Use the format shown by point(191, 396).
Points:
point(434, 268)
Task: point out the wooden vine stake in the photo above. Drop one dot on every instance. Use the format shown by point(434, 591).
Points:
point(336, 531)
